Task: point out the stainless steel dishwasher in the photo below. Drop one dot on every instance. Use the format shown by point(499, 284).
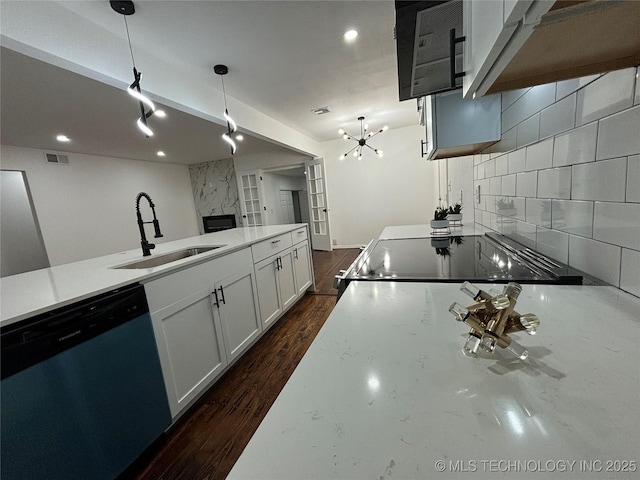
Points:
point(82, 390)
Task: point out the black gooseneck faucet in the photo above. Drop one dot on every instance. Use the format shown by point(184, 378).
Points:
point(146, 246)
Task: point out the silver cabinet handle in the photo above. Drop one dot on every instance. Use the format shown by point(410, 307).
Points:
point(295, 251)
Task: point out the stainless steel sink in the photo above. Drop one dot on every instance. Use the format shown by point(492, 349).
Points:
point(158, 260)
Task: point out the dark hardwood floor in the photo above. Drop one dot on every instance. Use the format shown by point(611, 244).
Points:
point(208, 439)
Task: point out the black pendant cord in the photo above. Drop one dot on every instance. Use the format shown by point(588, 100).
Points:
point(126, 26)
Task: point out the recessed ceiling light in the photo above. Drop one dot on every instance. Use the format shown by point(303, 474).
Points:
point(321, 110)
point(160, 153)
point(63, 138)
point(160, 113)
point(350, 34)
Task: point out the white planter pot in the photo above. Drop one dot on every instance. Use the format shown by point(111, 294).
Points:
point(439, 223)
point(454, 217)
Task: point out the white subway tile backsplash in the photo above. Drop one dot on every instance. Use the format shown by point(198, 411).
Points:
point(617, 223)
point(555, 183)
point(538, 212)
point(540, 155)
point(528, 132)
point(509, 185)
point(516, 161)
point(568, 159)
point(509, 97)
point(553, 244)
point(520, 207)
point(611, 93)
point(577, 146)
point(501, 165)
point(534, 100)
point(595, 258)
point(618, 134)
point(633, 178)
point(489, 168)
point(603, 180)
point(630, 272)
point(572, 217)
point(495, 185)
point(567, 87)
point(527, 184)
point(524, 233)
point(559, 117)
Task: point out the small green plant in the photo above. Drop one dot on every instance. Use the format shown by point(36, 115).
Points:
point(505, 204)
point(440, 213)
point(455, 208)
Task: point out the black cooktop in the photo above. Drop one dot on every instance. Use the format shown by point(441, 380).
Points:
point(479, 258)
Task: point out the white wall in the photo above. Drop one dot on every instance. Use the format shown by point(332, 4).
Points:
point(367, 195)
point(87, 208)
point(569, 159)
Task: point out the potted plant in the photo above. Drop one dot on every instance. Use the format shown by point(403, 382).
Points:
point(440, 218)
point(455, 213)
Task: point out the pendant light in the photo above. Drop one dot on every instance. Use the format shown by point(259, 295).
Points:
point(362, 141)
point(222, 70)
point(126, 8)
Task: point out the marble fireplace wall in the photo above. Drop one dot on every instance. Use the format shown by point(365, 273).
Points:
point(215, 191)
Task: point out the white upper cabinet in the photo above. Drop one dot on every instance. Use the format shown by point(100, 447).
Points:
point(512, 44)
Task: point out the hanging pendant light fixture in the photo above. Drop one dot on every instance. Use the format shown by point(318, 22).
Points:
point(222, 70)
point(362, 141)
point(126, 8)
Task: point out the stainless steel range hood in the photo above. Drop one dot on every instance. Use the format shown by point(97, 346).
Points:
point(423, 46)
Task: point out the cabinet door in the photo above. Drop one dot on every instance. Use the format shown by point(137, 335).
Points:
point(237, 305)
point(268, 294)
point(302, 266)
point(190, 346)
point(286, 279)
point(250, 203)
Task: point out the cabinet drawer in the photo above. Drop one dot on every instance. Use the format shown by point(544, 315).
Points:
point(167, 290)
point(298, 235)
point(269, 247)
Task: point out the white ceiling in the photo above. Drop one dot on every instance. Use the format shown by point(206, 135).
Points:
point(285, 58)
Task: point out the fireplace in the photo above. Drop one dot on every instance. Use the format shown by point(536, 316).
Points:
point(215, 223)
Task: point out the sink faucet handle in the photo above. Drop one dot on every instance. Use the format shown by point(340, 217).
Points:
point(156, 227)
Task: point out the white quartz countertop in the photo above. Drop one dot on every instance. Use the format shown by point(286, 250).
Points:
point(384, 392)
point(422, 231)
point(31, 293)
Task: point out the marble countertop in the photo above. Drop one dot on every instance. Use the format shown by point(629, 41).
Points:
point(28, 294)
point(422, 231)
point(385, 392)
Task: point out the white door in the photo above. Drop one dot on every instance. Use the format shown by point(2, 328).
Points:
point(250, 199)
point(316, 185)
point(286, 206)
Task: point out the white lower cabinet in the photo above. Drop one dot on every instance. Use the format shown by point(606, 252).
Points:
point(236, 302)
point(199, 334)
point(276, 285)
point(191, 346)
point(302, 267)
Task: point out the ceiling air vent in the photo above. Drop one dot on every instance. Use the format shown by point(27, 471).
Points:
point(321, 110)
point(56, 158)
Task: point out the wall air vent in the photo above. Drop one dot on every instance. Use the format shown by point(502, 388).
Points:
point(321, 110)
point(56, 158)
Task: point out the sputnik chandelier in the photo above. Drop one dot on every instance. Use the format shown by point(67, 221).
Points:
point(231, 125)
point(126, 8)
point(362, 141)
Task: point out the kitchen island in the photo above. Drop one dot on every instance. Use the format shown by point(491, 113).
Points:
point(31, 293)
point(385, 392)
